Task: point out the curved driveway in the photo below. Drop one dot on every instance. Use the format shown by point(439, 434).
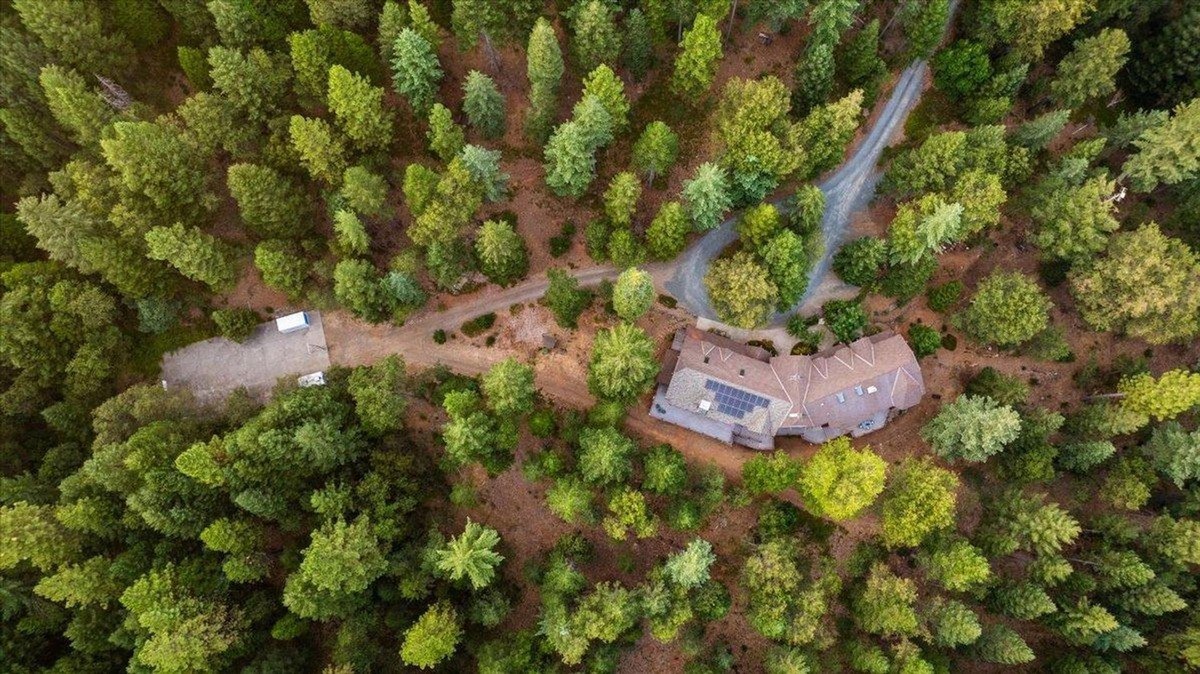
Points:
point(847, 190)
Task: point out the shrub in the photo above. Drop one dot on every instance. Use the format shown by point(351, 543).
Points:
point(479, 325)
point(541, 423)
point(561, 242)
point(858, 262)
point(235, 324)
point(845, 318)
point(943, 297)
point(439, 336)
point(923, 339)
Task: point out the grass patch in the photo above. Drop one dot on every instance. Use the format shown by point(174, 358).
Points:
point(479, 325)
point(148, 351)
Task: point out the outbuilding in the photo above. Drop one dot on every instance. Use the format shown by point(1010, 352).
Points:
point(292, 322)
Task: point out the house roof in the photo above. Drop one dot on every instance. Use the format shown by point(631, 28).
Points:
point(840, 388)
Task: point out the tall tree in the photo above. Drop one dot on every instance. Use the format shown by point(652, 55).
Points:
point(699, 54)
point(814, 77)
point(74, 105)
point(471, 555)
point(633, 293)
point(972, 428)
point(272, 206)
point(622, 366)
point(195, 254)
point(667, 233)
point(76, 34)
point(255, 82)
point(508, 388)
point(544, 68)
point(1008, 309)
point(621, 197)
point(920, 499)
point(1146, 285)
point(415, 70)
point(840, 482)
point(565, 299)
point(597, 39)
point(924, 22)
point(503, 257)
point(1167, 152)
point(1089, 70)
point(484, 104)
point(359, 110)
point(656, 150)
point(321, 150)
point(1073, 223)
point(157, 161)
point(446, 138)
point(706, 196)
point(741, 290)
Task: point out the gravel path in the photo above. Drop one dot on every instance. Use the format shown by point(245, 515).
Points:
point(847, 191)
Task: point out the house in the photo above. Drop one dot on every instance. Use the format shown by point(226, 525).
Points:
point(740, 394)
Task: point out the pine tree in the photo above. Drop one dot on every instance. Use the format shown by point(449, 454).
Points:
point(570, 162)
point(814, 78)
point(159, 162)
point(544, 67)
point(840, 482)
point(358, 108)
point(639, 44)
point(953, 623)
point(271, 205)
point(195, 254)
point(604, 455)
point(76, 34)
point(564, 298)
point(433, 638)
point(282, 266)
point(924, 22)
point(1001, 645)
point(621, 197)
point(415, 70)
point(348, 14)
point(1175, 452)
point(860, 63)
point(1008, 308)
point(1172, 394)
point(356, 286)
point(483, 104)
point(446, 138)
point(509, 388)
point(352, 237)
point(604, 84)
point(666, 235)
point(741, 290)
point(1166, 153)
point(655, 151)
point(706, 196)
point(633, 293)
point(484, 167)
point(920, 499)
point(689, 568)
point(321, 150)
point(471, 555)
point(365, 192)
point(1023, 601)
point(885, 606)
point(622, 364)
point(597, 40)
point(74, 105)
point(503, 257)
point(255, 82)
point(1089, 70)
point(699, 54)
point(972, 428)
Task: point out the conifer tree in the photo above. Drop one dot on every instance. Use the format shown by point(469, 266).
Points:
point(814, 78)
point(196, 255)
point(633, 293)
point(597, 39)
point(666, 235)
point(270, 204)
point(415, 70)
point(656, 150)
point(1089, 70)
point(352, 236)
point(74, 105)
point(604, 84)
point(358, 108)
point(321, 150)
point(706, 196)
point(471, 555)
point(446, 138)
point(621, 197)
point(483, 104)
point(638, 54)
point(544, 67)
point(699, 54)
point(503, 257)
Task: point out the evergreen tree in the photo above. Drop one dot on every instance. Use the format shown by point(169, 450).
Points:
point(814, 78)
point(356, 285)
point(1001, 645)
point(271, 205)
point(159, 162)
point(860, 63)
point(706, 196)
point(886, 605)
point(195, 254)
point(656, 150)
point(544, 67)
point(503, 257)
point(1008, 308)
point(255, 82)
point(320, 149)
point(76, 34)
point(597, 39)
point(604, 84)
point(919, 500)
point(787, 262)
point(638, 54)
point(565, 299)
point(972, 428)
point(358, 108)
point(433, 638)
point(622, 364)
point(378, 392)
point(666, 235)
point(282, 266)
point(604, 455)
point(415, 70)
point(1165, 153)
point(1172, 394)
point(953, 623)
point(699, 55)
point(621, 197)
point(483, 104)
point(365, 192)
point(1023, 601)
point(446, 139)
point(484, 167)
point(471, 555)
point(741, 290)
point(1089, 70)
point(352, 237)
point(75, 106)
point(924, 22)
point(633, 293)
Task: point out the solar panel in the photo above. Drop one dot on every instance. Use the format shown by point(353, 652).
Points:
point(733, 401)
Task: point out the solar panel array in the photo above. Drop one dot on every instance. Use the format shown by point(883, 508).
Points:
point(732, 401)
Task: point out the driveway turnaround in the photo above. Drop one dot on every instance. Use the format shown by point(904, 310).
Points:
point(212, 369)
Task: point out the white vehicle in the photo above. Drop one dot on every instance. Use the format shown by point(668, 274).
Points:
point(292, 322)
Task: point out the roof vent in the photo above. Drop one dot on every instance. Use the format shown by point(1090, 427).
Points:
point(858, 390)
point(742, 372)
point(841, 397)
point(705, 405)
point(872, 389)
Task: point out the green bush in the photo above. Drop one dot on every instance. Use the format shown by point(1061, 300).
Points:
point(595, 238)
point(541, 423)
point(236, 324)
point(943, 297)
point(561, 243)
point(479, 325)
point(923, 339)
point(845, 318)
point(439, 336)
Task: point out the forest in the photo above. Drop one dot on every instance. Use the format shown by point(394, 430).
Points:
point(503, 210)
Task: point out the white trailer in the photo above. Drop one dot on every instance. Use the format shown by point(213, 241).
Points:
point(292, 322)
